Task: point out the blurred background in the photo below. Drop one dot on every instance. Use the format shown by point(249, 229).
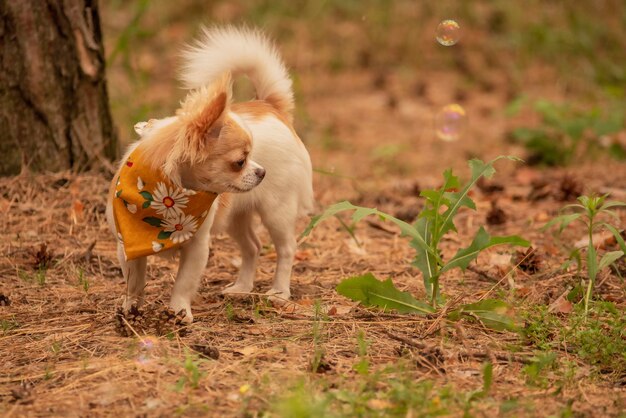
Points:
point(544, 80)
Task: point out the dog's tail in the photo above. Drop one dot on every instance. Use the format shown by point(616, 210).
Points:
point(240, 51)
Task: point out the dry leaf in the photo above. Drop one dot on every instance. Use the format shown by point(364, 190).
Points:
point(379, 404)
point(247, 351)
point(338, 310)
point(561, 305)
point(78, 209)
point(302, 255)
point(601, 240)
point(354, 248)
point(542, 217)
point(499, 260)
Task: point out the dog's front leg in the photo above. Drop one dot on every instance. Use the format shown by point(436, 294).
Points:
point(193, 259)
point(134, 272)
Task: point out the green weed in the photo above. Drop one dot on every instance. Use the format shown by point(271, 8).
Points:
point(565, 132)
point(82, 280)
point(7, 325)
point(390, 392)
point(318, 349)
point(434, 222)
point(597, 337)
point(191, 373)
point(362, 367)
point(39, 276)
point(541, 327)
point(588, 211)
point(230, 311)
point(600, 338)
point(535, 371)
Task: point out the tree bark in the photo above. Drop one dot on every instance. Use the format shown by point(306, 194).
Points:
point(54, 110)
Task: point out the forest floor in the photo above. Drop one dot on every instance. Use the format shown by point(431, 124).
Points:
point(369, 128)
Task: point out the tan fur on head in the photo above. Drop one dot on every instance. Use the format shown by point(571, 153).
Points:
point(202, 113)
point(187, 140)
point(206, 146)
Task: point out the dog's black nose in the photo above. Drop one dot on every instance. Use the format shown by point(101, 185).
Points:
point(260, 172)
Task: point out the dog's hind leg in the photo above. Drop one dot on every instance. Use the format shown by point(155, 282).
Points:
point(280, 224)
point(134, 272)
point(241, 230)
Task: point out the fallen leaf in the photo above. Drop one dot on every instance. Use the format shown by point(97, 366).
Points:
point(78, 209)
point(522, 291)
point(354, 248)
point(496, 259)
point(247, 351)
point(339, 310)
point(561, 305)
point(379, 404)
point(302, 255)
point(601, 240)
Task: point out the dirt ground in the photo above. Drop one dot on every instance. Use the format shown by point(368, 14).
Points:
point(369, 129)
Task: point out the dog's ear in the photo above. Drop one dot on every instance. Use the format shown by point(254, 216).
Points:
point(202, 113)
point(208, 123)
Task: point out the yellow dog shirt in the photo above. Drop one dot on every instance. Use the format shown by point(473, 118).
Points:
point(151, 213)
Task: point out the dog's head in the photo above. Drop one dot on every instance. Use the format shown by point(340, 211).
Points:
point(205, 147)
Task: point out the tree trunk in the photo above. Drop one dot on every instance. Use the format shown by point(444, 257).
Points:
point(54, 110)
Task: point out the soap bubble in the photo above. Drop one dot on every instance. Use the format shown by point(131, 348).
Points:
point(450, 122)
point(147, 348)
point(448, 32)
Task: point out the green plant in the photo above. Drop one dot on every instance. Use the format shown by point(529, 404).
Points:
point(7, 325)
point(434, 222)
point(597, 337)
point(82, 280)
point(363, 365)
point(541, 327)
point(192, 373)
point(472, 396)
point(535, 369)
point(230, 311)
point(318, 350)
point(587, 212)
point(563, 130)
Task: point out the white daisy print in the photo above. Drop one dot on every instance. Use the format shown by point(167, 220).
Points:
point(156, 246)
point(169, 201)
point(182, 227)
point(131, 208)
point(140, 184)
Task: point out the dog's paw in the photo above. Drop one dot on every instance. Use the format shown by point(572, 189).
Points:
point(183, 311)
point(237, 288)
point(129, 303)
point(278, 297)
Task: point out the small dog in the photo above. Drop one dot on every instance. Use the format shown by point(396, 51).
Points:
point(211, 147)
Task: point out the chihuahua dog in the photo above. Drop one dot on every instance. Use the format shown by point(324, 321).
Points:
point(247, 153)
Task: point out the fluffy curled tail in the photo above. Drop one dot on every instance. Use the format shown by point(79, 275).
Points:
point(239, 51)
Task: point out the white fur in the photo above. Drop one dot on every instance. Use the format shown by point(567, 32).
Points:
point(240, 51)
point(285, 193)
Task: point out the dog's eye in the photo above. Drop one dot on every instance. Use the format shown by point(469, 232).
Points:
point(238, 165)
